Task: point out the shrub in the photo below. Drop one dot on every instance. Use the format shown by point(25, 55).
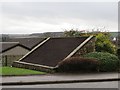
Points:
point(104, 44)
point(75, 64)
point(108, 62)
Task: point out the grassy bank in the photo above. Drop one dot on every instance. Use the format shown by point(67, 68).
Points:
point(18, 71)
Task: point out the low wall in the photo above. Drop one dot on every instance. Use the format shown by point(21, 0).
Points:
point(31, 66)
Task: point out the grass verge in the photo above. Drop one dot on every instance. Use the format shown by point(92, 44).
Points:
point(8, 71)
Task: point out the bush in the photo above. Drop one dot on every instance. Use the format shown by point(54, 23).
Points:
point(108, 62)
point(103, 44)
point(75, 64)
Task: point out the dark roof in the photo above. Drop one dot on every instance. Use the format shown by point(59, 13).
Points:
point(27, 42)
point(4, 46)
point(53, 51)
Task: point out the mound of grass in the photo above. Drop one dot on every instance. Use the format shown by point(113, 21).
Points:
point(17, 71)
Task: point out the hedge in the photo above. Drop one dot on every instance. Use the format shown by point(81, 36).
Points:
point(108, 62)
point(76, 64)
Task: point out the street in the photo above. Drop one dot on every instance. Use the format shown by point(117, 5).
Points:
point(113, 84)
point(62, 77)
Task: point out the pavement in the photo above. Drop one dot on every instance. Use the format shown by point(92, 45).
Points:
point(60, 78)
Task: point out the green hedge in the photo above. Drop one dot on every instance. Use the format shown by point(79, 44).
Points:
point(77, 64)
point(108, 62)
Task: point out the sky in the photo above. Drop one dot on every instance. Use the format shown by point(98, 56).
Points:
point(38, 17)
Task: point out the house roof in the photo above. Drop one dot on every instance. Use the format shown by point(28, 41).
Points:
point(53, 51)
point(27, 42)
point(4, 46)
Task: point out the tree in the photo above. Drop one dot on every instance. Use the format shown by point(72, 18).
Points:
point(72, 33)
point(48, 34)
point(5, 37)
point(118, 39)
point(104, 44)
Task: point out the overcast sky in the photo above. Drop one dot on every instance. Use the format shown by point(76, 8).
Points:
point(38, 17)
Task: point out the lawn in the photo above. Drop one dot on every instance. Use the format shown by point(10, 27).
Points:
point(17, 71)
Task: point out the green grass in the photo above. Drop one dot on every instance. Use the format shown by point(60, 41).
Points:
point(17, 71)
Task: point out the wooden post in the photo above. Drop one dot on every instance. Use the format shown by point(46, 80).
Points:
point(5, 60)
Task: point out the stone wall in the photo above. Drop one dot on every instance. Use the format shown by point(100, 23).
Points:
point(31, 66)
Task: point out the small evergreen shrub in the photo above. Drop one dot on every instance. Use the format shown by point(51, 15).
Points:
point(108, 62)
point(76, 64)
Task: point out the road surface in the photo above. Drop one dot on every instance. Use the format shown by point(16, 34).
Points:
point(62, 77)
point(59, 77)
point(113, 84)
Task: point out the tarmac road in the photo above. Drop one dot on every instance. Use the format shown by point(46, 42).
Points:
point(63, 77)
point(113, 84)
point(60, 77)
